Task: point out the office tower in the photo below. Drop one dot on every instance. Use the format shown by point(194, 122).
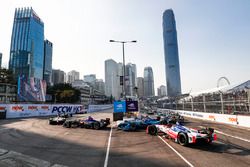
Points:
point(130, 79)
point(161, 91)
point(140, 86)
point(148, 82)
point(27, 44)
point(173, 81)
point(58, 76)
point(112, 79)
point(89, 78)
point(1, 56)
point(47, 68)
point(72, 76)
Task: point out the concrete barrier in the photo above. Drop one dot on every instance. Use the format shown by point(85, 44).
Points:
point(238, 120)
point(96, 108)
point(33, 110)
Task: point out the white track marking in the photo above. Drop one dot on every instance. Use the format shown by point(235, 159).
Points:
point(236, 137)
point(184, 159)
point(108, 147)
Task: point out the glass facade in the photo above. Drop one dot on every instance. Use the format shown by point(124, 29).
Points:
point(172, 67)
point(27, 44)
point(47, 68)
point(149, 89)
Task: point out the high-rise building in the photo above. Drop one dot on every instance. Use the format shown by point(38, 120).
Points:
point(47, 68)
point(89, 78)
point(99, 85)
point(27, 44)
point(58, 76)
point(111, 79)
point(120, 77)
point(140, 86)
point(148, 82)
point(161, 91)
point(130, 79)
point(172, 68)
point(72, 76)
point(1, 55)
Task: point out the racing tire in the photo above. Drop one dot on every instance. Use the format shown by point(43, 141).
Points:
point(96, 125)
point(67, 124)
point(132, 126)
point(182, 139)
point(152, 130)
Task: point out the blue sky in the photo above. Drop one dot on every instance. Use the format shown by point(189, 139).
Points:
point(213, 36)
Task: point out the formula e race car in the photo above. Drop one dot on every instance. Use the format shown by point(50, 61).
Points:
point(89, 123)
point(138, 124)
point(183, 135)
point(58, 120)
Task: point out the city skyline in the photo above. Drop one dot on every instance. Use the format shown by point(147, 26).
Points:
point(213, 40)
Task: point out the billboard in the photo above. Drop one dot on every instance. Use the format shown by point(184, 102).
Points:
point(131, 106)
point(119, 106)
point(31, 89)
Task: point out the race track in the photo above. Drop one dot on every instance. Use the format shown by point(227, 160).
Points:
point(41, 144)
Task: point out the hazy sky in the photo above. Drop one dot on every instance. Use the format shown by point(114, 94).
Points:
point(213, 36)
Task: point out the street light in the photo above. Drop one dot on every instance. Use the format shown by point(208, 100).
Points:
point(123, 54)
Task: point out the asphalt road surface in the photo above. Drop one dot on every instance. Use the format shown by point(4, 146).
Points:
point(32, 142)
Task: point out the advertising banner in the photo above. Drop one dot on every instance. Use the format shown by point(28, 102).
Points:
point(33, 110)
point(119, 106)
point(31, 89)
point(131, 106)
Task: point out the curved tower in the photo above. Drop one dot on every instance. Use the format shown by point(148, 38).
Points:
point(173, 81)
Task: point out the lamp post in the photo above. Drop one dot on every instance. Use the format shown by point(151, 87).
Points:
point(123, 55)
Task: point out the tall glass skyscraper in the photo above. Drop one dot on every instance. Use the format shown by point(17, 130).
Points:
point(149, 89)
point(47, 65)
point(27, 44)
point(172, 67)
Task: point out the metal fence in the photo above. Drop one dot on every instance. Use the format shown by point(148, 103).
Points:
point(223, 103)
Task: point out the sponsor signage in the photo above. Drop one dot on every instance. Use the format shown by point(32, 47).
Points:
point(119, 106)
point(66, 109)
point(131, 106)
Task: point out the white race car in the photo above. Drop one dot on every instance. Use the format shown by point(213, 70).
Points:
point(183, 135)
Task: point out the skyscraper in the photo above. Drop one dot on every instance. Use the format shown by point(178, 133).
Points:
point(58, 76)
point(173, 81)
point(130, 79)
point(140, 85)
point(27, 44)
point(148, 82)
point(111, 79)
point(47, 68)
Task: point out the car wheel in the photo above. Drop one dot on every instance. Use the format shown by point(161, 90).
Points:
point(152, 130)
point(96, 125)
point(182, 139)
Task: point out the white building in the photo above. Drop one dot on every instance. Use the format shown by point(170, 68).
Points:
point(72, 76)
point(140, 86)
point(161, 91)
point(112, 79)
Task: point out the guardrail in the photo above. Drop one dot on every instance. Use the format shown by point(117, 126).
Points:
point(238, 120)
point(96, 108)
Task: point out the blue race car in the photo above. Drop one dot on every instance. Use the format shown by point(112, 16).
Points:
point(139, 124)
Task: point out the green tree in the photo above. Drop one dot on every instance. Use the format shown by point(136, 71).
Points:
point(6, 76)
point(64, 93)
